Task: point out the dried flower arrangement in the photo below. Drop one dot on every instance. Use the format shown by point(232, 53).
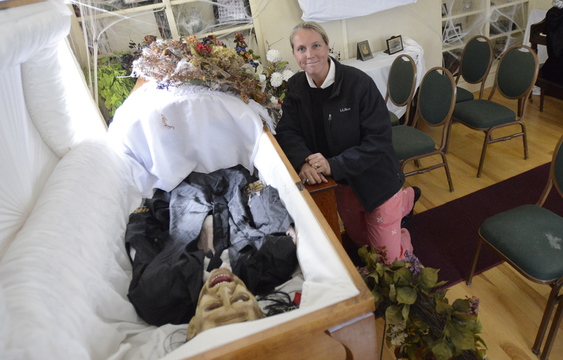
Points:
point(206, 62)
point(421, 323)
point(210, 63)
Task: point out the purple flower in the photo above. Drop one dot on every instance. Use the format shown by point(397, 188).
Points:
point(474, 305)
point(414, 264)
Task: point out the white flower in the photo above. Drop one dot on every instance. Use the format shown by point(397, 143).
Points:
point(263, 80)
point(183, 64)
point(276, 79)
point(397, 334)
point(273, 55)
point(287, 74)
point(274, 100)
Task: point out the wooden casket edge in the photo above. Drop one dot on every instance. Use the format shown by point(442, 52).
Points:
point(328, 333)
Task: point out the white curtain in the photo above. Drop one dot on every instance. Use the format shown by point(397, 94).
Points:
point(327, 10)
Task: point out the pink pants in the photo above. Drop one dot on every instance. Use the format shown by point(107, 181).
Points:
point(380, 228)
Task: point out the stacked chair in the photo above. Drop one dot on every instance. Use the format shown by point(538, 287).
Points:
point(474, 66)
point(401, 86)
point(516, 74)
point(434, 108)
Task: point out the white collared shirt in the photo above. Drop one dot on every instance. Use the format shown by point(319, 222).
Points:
point(330, 77)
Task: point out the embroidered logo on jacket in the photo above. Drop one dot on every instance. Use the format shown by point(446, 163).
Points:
point(345, 109)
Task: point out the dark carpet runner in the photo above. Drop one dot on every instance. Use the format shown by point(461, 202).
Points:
point(444, 237)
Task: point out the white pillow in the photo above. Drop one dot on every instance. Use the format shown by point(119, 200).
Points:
point(65, 276)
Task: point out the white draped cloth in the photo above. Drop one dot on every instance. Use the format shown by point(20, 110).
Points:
point(327, 10)
point(171, 132)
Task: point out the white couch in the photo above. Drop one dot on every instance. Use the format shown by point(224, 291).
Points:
point(65, 198)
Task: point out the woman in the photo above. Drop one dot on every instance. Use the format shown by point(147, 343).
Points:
point(335, 124)
point(552, 70)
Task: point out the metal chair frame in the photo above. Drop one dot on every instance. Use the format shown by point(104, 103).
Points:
point(555, 298)
point(419, 118)
point(522, 101)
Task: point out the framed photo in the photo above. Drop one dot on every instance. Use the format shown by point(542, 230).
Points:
point(444, 10)
point(364, 51)
point(394, 44)
point(451, 34)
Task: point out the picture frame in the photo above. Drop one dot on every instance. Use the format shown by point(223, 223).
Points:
point(444, 10)
point(394, 44)
point(451, 33)
point(364, 51)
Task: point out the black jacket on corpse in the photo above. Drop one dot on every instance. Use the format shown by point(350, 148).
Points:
point(167, 264)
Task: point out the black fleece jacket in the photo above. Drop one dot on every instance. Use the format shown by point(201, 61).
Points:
point(357, 129)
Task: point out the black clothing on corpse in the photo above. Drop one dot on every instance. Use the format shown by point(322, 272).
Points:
point(167, 264)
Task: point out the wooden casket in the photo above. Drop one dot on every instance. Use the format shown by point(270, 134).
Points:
point(67, 189)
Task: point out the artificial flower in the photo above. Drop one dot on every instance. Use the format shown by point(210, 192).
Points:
point(276, 79)
point(273, 55)
point(286, 74)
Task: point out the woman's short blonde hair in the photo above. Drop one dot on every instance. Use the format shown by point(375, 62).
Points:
point(308, 25)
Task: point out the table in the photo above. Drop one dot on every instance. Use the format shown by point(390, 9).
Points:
point(324, 196)
point(378, 68)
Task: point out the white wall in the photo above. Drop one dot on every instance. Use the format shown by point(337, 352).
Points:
point(540, 4)
point(419, 21)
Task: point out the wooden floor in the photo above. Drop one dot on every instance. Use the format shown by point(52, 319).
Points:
point(511, 306)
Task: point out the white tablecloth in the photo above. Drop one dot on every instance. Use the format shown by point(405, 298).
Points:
point(378, 68)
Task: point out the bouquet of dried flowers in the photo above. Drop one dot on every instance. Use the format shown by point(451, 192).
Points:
point(210, 63)
point(206, 62)
point(247, 54)
point(421, 323)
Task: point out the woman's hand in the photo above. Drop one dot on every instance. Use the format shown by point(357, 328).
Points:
point(315, 169)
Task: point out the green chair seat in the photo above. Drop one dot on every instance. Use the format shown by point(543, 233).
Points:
point(515, 76)
point(530, 239)
point(463, 95)
point(526, 230)
point(410, 142)
point(483, 114)
point(434, 108)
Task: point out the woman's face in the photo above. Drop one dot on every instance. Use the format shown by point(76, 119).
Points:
point(224, 299)
point(311, 53)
